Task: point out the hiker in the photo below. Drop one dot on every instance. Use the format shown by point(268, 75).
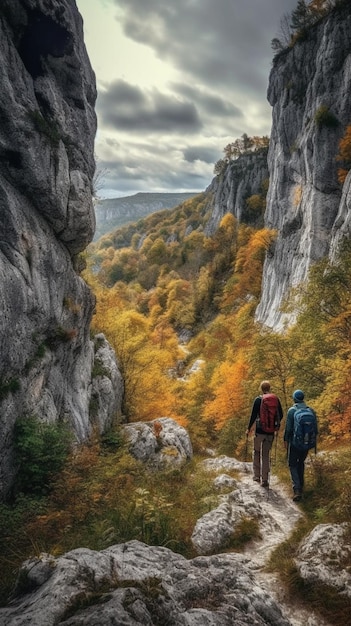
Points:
point(299, 437)
point(265, 404)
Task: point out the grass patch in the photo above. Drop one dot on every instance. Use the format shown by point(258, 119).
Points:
point(104, 496)
point(245, 531)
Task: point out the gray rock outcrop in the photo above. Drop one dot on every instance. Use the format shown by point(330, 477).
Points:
point(47, 133)
point(309, 90)
point(160, 443)
point(229, 191)
point(133, 584)
point(322, 554)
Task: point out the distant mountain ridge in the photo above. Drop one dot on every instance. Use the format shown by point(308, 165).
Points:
point(112, 213)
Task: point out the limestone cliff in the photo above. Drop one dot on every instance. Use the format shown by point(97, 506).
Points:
point(47, 135)
point(229, 190)
point(309, 90)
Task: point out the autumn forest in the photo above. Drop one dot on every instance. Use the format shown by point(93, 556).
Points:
point(162, 279)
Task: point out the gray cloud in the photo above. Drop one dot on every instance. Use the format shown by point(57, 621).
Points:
point(226, 42)
point(127, 177)
point(154, 140)
point(208, 102)
point(126, 107)
point(202, 153)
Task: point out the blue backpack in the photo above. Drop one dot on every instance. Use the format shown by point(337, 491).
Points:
point(305, 429)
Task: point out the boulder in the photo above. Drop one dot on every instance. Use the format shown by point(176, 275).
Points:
point(132, 584)
point(160, 443)
point(322, 554)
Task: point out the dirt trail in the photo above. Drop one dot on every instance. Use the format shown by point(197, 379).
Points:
point(277, 504)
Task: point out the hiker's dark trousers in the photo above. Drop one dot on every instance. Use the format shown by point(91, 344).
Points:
point(296, 460)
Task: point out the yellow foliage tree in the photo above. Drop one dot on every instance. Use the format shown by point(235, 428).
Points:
point(247, 274)
point(145, 356)
point(229, 399)
point(180, 308)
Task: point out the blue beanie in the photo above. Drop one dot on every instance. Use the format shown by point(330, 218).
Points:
point(298, 395)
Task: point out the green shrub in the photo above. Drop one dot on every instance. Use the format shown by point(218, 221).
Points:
point(324, 117)
point(41, 450)
point(8, 386)
point(100, 370)
point(48, 128)
point(245, 531)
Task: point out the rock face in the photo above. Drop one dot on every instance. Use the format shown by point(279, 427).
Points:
point(160, 443)
point(133, 584)
point(240, 180)
point(47, 135)
point(309, 90)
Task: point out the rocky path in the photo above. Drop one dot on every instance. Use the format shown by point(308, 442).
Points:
point(277, 505)
point(277, 515)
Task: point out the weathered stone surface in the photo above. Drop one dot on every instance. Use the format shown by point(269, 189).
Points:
point(321, 556)
point(47, 133)
point(223, 481)
point(107, 385)
point(159, 443)
point(133, 584)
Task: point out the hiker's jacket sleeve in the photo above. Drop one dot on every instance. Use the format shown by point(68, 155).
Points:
point(280, 411)
point(289, 426)
point(255, 412)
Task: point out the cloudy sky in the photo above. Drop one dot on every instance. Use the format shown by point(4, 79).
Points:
point(177, 81)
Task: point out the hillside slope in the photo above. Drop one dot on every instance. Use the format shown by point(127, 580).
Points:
point(113, 213)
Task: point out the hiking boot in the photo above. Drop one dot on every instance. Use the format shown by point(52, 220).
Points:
point(297, 496)
point(265, 483)
point(256, 480)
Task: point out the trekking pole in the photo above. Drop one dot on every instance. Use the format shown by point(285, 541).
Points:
point(275, 449)
point(246, 446)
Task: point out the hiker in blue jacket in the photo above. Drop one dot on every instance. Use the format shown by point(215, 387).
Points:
point(296, 455)
point(263, 441)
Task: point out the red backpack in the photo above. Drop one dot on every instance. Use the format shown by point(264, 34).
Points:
point(269, 416)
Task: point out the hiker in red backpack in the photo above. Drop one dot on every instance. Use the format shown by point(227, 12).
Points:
point(300, 436)
point(267, 413)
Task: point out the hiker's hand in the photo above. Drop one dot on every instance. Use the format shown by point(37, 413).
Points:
point(247, 432)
